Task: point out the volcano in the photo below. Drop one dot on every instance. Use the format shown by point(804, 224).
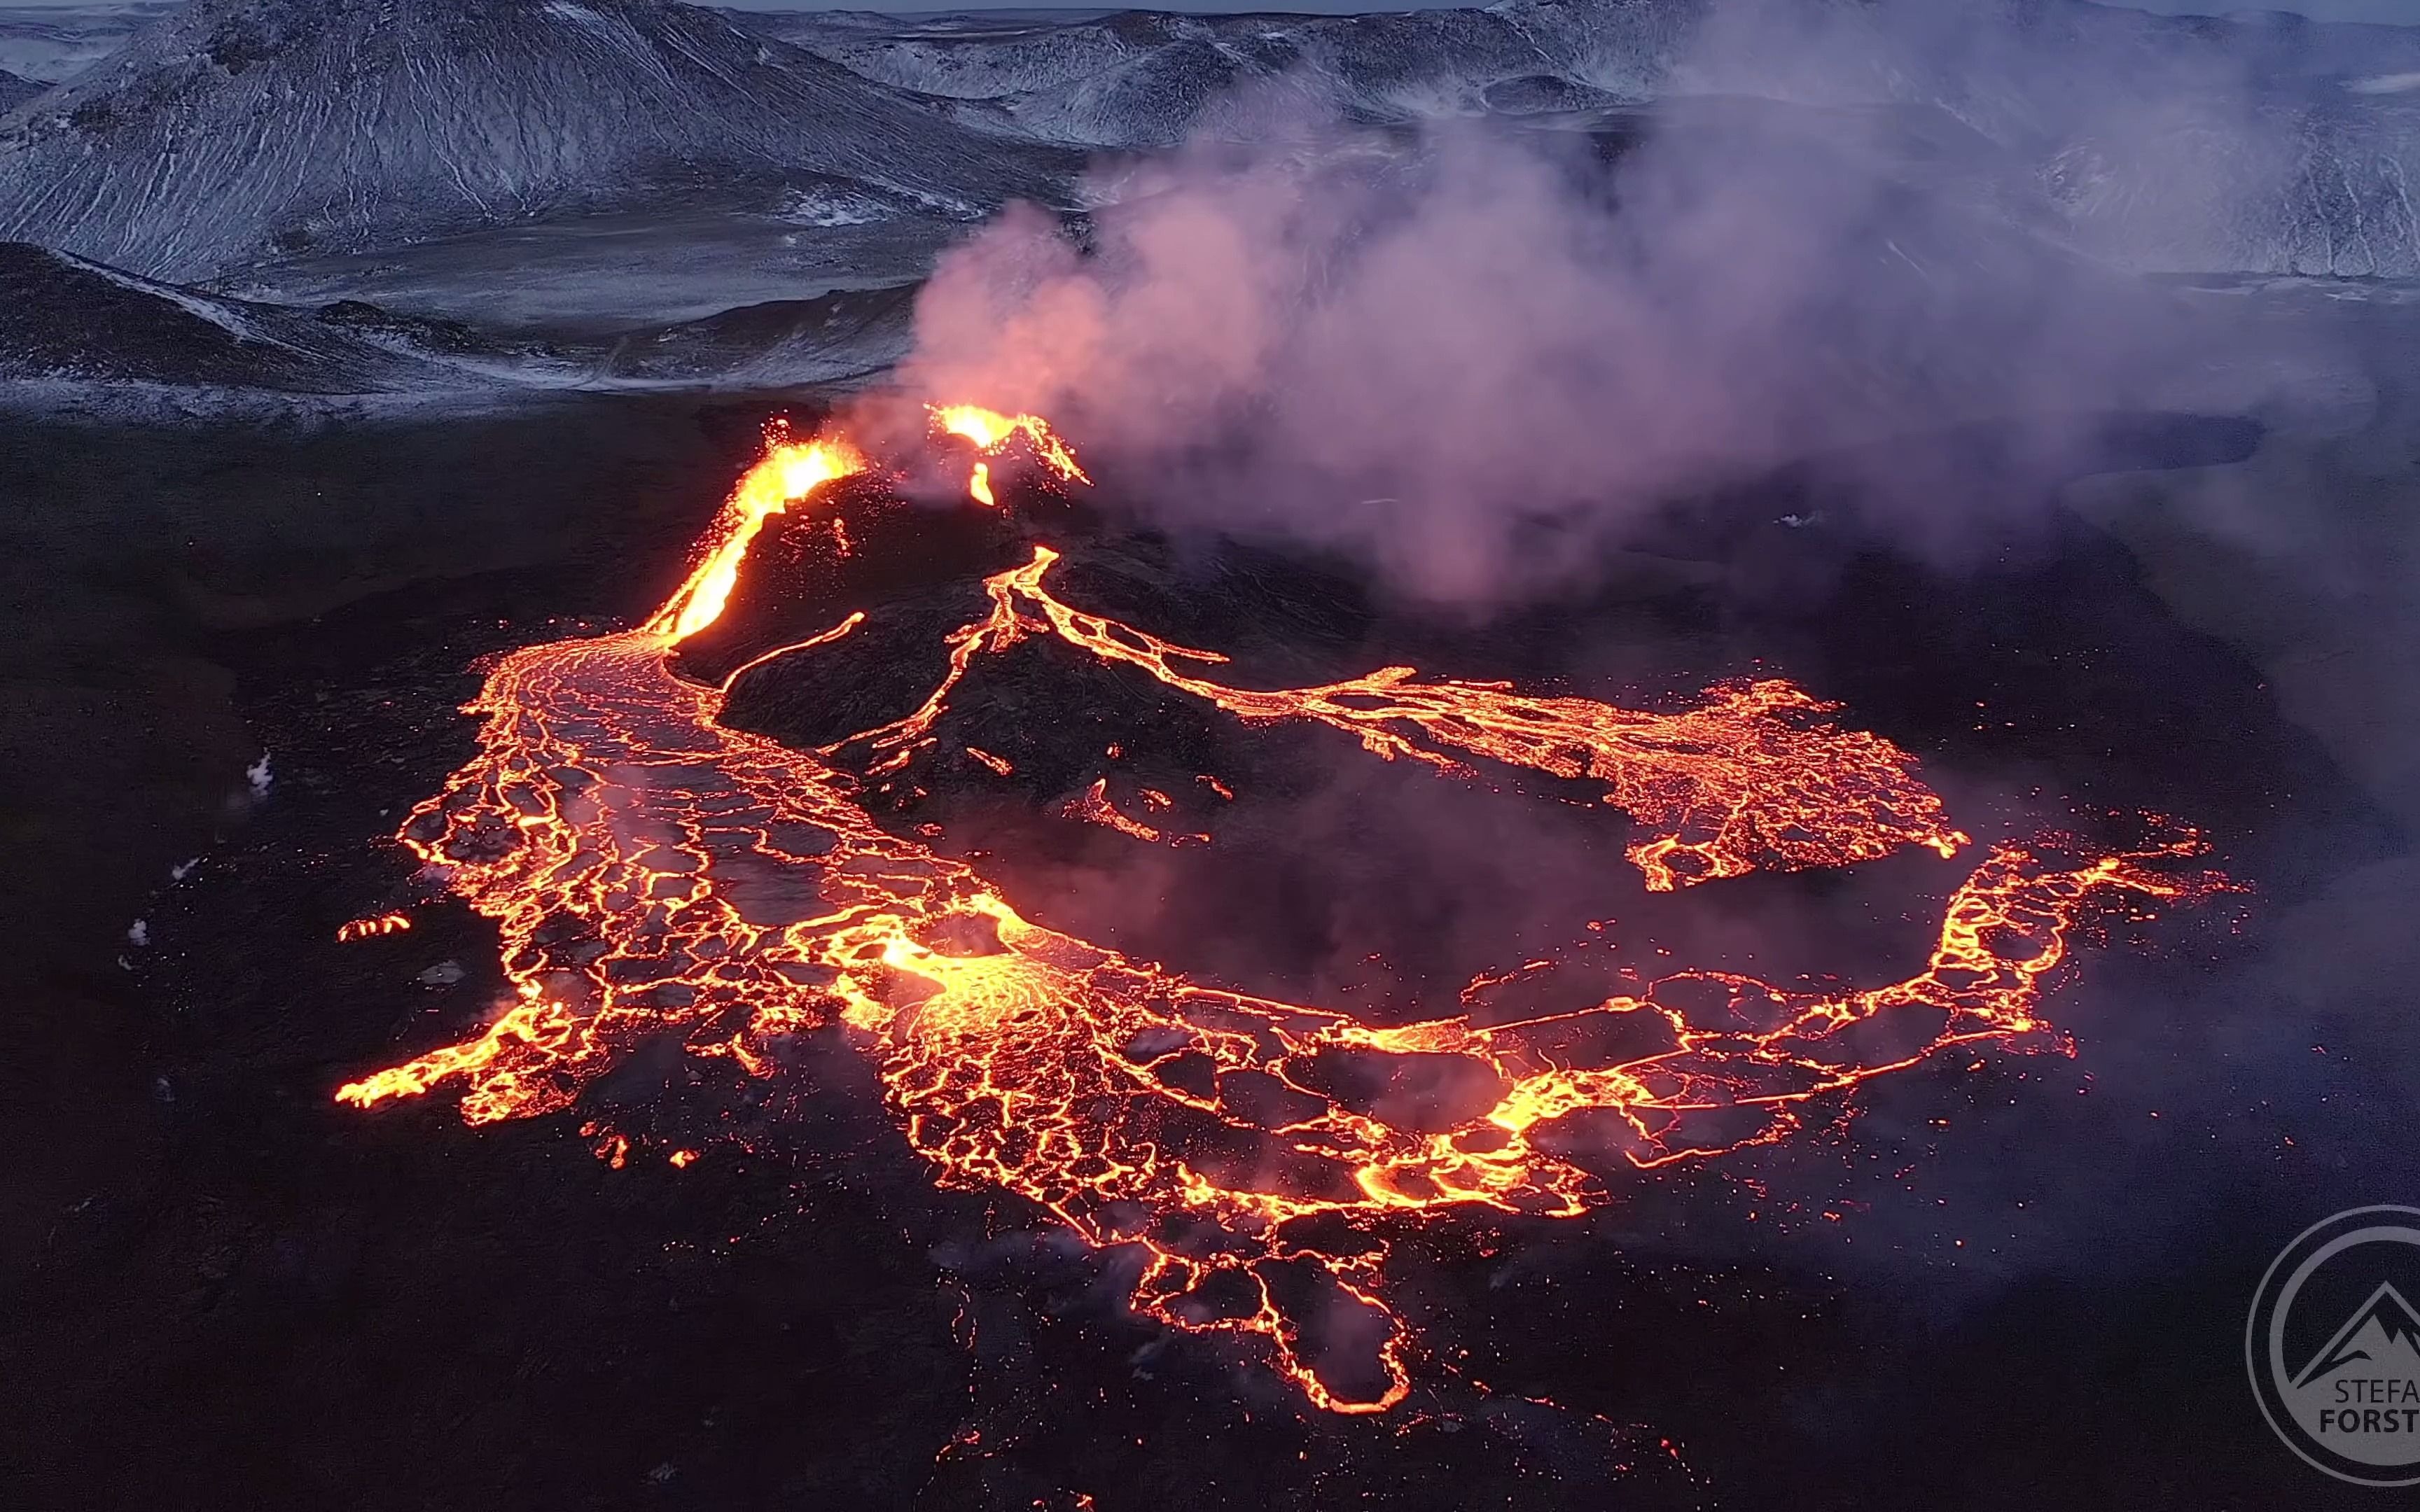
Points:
point(1053, 1102)
point(662, 876)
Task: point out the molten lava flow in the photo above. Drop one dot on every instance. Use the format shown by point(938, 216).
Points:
point(1093, 806)
point(654, 873)
point(789, 471)
point(1750, 778)
point(363, 929)
point(991, 432)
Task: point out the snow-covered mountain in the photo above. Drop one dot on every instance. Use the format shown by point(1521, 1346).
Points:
point(1140, 78)
point(239, 131)
point(48, 43)
point(2258, 143)
point(15, 91)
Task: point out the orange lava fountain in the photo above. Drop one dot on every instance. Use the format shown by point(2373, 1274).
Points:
point(651, 871)
point(991, 432)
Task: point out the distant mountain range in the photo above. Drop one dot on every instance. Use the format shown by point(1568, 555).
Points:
point(235, 133)
point(2260, 142)
point(585, 167)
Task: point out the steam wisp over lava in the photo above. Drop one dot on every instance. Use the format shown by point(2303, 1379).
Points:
point(652, 871)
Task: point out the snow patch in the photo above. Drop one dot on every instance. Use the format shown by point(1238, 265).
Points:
point(832, 207)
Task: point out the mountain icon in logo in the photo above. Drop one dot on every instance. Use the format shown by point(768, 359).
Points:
point(2382, 1337)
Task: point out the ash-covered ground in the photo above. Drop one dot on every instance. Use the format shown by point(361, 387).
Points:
point(2000, 1284)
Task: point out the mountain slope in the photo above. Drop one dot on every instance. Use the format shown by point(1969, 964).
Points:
point(241, 129)
point(770, 345)
point(47, 43)
point(1139, 78)
point(62, 317)
point(15, 91)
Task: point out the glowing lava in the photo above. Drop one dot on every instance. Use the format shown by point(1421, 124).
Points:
point(789, 471)
point(1751, 777)
point(991, 432)
point(652, 872)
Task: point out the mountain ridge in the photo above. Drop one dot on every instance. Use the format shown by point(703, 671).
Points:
point(2256, 142)
point(238, 131)
point(65, 319)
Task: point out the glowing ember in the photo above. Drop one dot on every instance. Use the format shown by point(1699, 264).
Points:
point(363, 929)
point(653, 872)
point(1092, 807)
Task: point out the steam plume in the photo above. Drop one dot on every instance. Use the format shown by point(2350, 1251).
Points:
point(1447, 350)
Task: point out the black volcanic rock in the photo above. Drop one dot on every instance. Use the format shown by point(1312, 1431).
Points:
point(241, 129)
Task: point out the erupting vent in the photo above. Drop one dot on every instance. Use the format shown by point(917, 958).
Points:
point(653, 871)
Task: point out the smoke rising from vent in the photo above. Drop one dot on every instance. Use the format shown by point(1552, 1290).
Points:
point(1454, 352)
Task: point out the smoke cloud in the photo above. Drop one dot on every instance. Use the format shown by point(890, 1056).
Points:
point(1467, 353)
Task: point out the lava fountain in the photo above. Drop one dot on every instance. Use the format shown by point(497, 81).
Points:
point(652, 872)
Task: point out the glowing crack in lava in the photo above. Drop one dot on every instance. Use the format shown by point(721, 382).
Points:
point(653, 872)
point(1749, 777)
